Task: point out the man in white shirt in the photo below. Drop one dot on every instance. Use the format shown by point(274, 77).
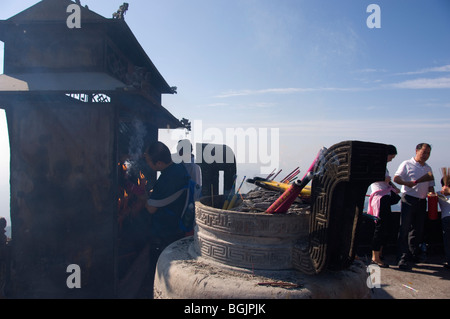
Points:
point(414, 203)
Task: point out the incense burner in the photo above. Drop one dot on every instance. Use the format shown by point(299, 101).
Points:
point(248, 240)
point(258, 255)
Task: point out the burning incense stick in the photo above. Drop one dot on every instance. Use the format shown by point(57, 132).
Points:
point(277, 174)
point(293, 177)
point(446, 175)
point(230, 195)
point(316, 159)
point(289, 176)
point(270, 175)
point(233, 200)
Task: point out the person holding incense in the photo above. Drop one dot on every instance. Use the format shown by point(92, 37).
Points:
point(444, 204)
point(416, 178)
point(164, 227)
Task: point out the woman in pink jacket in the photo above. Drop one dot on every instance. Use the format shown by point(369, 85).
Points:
point(380, 202)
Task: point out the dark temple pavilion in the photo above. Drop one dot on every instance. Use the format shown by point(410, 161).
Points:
point(76, 99)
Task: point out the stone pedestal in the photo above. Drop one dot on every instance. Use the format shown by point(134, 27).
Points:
point(181, 274)
point(242, 255)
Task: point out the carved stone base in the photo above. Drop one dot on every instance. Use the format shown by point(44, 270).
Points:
point(181, 274)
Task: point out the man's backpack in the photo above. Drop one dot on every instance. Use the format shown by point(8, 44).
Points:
point(187, 217)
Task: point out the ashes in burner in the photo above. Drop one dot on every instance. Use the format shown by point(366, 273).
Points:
point(259, 200)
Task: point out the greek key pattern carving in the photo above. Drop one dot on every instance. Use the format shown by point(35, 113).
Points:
point(252, 224)
point(342, 176)
point(331, 170)
point(237, 255)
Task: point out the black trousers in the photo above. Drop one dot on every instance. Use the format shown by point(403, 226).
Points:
point(446, 237)
point(380, 235)
point(412, 222)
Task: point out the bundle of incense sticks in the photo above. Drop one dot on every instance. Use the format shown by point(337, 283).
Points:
point(235, 196)
point(446, 175)
point(291, 175)
point(282, 204)
point(425, 178)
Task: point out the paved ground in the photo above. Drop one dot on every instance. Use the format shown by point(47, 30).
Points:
point(428, 280)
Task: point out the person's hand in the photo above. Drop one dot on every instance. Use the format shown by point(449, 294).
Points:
point(445, 190)
point(409, 184)
point(142, 198)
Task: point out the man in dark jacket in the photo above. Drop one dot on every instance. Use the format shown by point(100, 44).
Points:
point(173, 178)
point(165, 218)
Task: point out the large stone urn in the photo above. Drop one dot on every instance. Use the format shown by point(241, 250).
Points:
point(240, 255)
point(310, 254)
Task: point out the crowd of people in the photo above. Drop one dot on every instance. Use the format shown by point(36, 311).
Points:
point(412, 184)
point(416, 180)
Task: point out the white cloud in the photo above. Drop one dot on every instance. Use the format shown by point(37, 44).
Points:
point(421, 83)
point(370, 70)
point(361, 127)
point(424, 83)
point(286, 91)
point(444, 68)
point(216, 105)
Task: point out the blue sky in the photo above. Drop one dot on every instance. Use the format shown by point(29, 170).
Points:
point(311, 68)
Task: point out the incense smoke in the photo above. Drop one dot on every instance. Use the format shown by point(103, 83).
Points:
point(321, 161)
point(136, 143)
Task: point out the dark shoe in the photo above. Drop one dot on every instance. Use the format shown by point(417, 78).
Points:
point(381, 265)
point(419, 259)
point(447, 266)
point(402, 264)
